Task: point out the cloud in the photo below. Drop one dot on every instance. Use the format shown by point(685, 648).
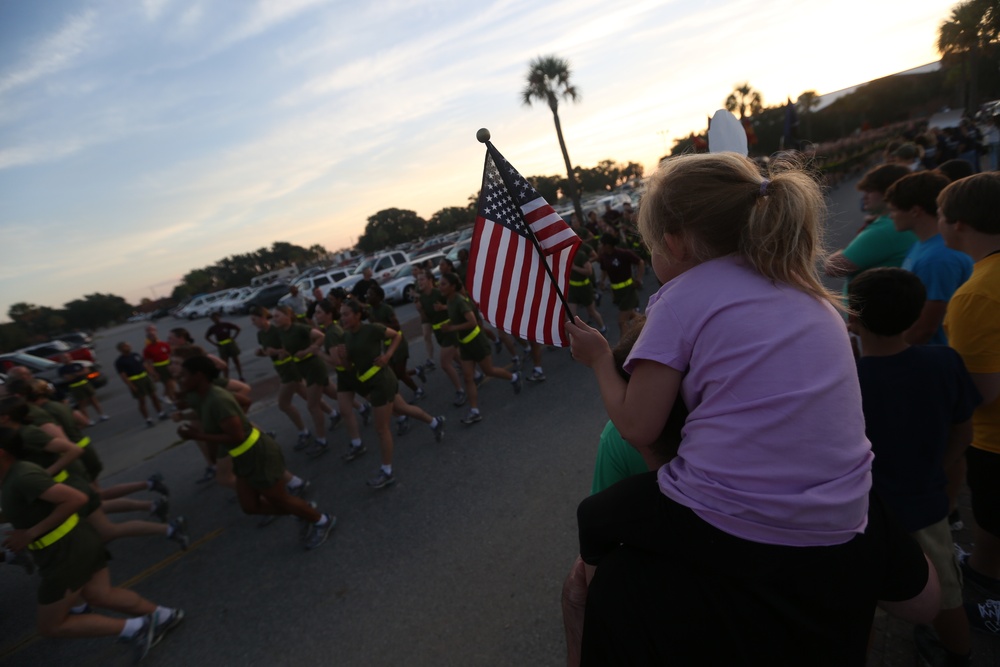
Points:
point(58, 52)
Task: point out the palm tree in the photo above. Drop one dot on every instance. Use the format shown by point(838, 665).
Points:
point(548, 81)
point(960, 38)
point(744, 98)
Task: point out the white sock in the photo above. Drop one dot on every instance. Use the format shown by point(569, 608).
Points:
point(356, 442)
point(321, 441)
point(132, 626)
point(513, 377)
point(163, 614)
point(170, 530)
point(538, 369)
point(295, 482)
point(401, 418)
point(304, 431)
point(387, 469)
point(323, 518)
point(474, 411)
point(79, 609)
point(434, 423)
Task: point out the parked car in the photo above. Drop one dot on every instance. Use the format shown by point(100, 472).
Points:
point(200, 306)
point(382, 265)
point(56, 348)
point(401, 286)
point(75, 338)
point(324, 280)
point(231, 300)
point(49, 370)
point(267, 296)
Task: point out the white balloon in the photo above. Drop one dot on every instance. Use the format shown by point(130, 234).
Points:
point(726, 134)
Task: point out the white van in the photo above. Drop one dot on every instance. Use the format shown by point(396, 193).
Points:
point(200, 306)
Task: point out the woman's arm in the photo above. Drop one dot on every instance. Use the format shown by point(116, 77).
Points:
point(469, 324)
point(232, 432)
point(67, 451)
point(397, 337)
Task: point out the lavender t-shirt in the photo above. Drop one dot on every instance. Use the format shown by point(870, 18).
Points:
point(774, 449)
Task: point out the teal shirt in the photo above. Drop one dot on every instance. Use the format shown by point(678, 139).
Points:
point(616, 460)
point(878, 244)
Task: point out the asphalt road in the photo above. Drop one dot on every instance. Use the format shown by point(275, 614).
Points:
point(461, 562)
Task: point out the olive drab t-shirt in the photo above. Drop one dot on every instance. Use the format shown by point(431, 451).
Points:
point(364, 345)
point(262, 465)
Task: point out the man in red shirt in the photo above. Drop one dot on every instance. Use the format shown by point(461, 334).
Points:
point(156, 354)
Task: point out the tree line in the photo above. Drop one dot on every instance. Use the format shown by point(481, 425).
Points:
point(393, 226)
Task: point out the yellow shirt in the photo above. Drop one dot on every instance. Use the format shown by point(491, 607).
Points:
point(972, 323)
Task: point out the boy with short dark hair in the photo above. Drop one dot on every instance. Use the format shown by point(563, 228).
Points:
point(918, 403)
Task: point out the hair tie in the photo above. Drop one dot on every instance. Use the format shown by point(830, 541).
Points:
point(763, 188)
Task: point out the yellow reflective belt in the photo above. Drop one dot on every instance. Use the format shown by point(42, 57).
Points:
point(621, 284)
point(160, 364)
point(60, 476)
point(438, 325)
point(78, 384)
point(341, 369)
point(133, 378)
point(278, 362)
point(224, 341)
point(83, 442)
point(369, 374)
point(308, 356)
point(247, 444)
point(580, 283)
point(301, 317)
point(56, 534)
point(468, 339)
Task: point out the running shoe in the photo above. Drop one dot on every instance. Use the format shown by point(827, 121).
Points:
point(164, 416)
point(318, 534)
point(381, 480)
point(317, 449)
point(144, 639)
point(149, 423)
point(206, 476)
point(105, 418)
point(302, 442)
point(403, 426)
point(180, 534)
point(419, 371)
point(515, 362)
point(985, 584)
point(536, 376)
point(419, 393)
point(517, 384)
point(985, 617)
point(156, 484)
point(300, 491)
point(335, 418)
point(460, 399)
point(163, 627)
point(91, 423)
point(353, 452)
point(472, 417)
point(366, 414)
point(439, 429)
point(160, 509)
point(429, 365)
point(478, 379)
point(955, 521)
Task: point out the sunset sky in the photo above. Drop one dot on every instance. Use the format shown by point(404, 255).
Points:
point(140, 140)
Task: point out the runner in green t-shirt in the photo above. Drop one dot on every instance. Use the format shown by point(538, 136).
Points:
point(432, 303)
point(362, 353)
point(71, 559)
point(303, 342)
point(256, 459)
point(269, 339)
point(474, 349)
point(581, 285)
point(382, 313)
point(333, 337)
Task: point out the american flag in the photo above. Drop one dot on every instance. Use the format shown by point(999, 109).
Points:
point(506, 273)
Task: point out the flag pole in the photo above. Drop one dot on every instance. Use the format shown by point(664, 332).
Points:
point(483, 135)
